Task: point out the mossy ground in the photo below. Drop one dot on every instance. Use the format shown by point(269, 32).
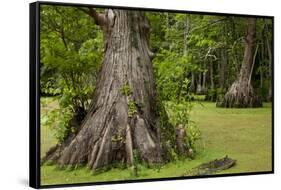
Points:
point(242, 134)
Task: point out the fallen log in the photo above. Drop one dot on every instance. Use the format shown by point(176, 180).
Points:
point(211, 167)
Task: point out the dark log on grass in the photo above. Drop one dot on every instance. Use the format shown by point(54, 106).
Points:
point(122, 117)
point(211, 167)
point(241, 93)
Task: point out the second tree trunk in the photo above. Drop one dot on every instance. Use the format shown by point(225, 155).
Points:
point(241, 93)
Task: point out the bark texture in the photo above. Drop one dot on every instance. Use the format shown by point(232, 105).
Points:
point(223, 69)
point(122, 117)
point(269, 97)
point(182, 148)
point(241, 93)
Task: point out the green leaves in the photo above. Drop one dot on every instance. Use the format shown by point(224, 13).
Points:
point(193, 135)
point(71, 52)
point(179, 114)
point(70, 46)
point(56, 118)
point(132, 108)
point(126, 90)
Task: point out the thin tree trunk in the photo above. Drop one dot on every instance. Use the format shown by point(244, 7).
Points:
point(222, 70)
point(253, 65)
point(204, 88)
point(186, 31)
point(185, 34)
point(199, 84)
point(261, 67)
point(212, 76)
point(192, 85)
point(269, 97)
point(212, 81)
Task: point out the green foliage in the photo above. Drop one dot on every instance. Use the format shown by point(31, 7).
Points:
point(188, 45)
point(71, 53)
point(180, 114)
point(135, 168)
point(116, 138)
point(167, 129)
point(193, 135)
point(215, 94)
point(170, 70)
point(57, 120)
point(132, 108)
point(126, 90)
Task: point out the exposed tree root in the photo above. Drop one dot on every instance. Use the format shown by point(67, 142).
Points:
point(240, 95)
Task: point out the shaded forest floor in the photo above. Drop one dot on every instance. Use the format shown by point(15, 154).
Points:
point(242, 134)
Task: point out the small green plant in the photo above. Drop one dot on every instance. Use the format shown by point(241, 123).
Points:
point(116, 138)
point(172, 152)
point(126, 90)
point(179, 114)
point(193, 134)
point(119, 135)
point(137, 161)
point(132, 108)
point(58, 120)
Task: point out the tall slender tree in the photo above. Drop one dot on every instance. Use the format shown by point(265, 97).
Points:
point(269, 97)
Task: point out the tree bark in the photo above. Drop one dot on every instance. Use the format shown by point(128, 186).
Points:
point(269, 97)
point(253, 65)
point(182, 148)
point(241, 93)
point(223, 69)
point(199, 84)
point(122, 117)
point(261, 57)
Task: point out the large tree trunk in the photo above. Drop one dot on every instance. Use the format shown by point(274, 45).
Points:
point(122, 117)
point(241, 93)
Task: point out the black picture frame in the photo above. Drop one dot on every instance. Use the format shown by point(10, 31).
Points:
point(34, 94)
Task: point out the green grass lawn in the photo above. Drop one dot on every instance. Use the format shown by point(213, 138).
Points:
point(242, 134)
